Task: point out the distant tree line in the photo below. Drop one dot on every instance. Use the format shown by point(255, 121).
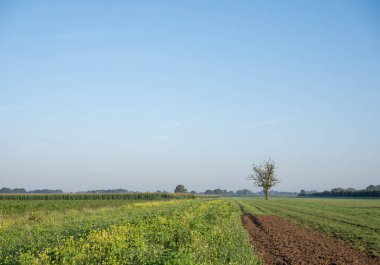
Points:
point(239, 193)
point(370, 191)
point(246, 193)
point(23, 191)
point(178, 189)
point(225, 193)
point(49, 191)
point(181, 189)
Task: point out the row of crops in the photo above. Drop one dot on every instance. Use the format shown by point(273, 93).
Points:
point(100, 196)
point(355, 221)
point(196, 231)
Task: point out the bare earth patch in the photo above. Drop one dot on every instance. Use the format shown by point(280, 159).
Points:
point(279, 241)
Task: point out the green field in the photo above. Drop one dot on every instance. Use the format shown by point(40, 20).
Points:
point(167, 231)
point(197, 231)
point(355, 221)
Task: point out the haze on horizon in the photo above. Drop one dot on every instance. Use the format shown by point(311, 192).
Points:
point(145, 95)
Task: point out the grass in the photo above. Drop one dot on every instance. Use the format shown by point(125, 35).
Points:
point(355, 221)
point(197, 231)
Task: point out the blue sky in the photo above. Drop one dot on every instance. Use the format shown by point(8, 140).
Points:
point(144, 95)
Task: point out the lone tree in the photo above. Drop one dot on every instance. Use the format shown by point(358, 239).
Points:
point(180, 189)
point(264, 176)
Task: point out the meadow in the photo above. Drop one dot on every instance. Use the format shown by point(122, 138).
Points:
point(354, 221)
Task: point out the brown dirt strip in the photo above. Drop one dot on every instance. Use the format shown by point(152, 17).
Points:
point(279, 241)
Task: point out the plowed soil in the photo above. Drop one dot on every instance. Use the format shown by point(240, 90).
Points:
point(279, 241)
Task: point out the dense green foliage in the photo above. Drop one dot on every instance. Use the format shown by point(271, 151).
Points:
point(352, 220)
point(157, 232)
point(180, 189)
point(344, 193)
point(370, 191)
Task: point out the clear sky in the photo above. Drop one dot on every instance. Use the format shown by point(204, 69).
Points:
point(145, 95)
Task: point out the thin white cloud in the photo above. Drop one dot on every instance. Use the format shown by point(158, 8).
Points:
point(268, 121)
point(69, 114)
point(88, 118)
point(29, 148)
point(211, 114)
point(170, 125)
point(11, 108)
point(44, 119)
point(82, 34)
point(158, 139)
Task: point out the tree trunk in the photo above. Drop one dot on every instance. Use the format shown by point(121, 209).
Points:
point(266, 194)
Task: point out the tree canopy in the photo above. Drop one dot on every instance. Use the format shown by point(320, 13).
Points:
point(180, 189)
point(264, 176)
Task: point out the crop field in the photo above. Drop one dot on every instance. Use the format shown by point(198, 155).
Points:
point(100, 196)
point(179, 230)
point(354, 221)
point(197, 231)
